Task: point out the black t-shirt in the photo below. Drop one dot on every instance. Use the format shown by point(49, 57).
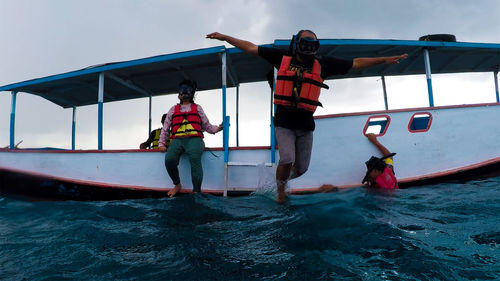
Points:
point(297, 118)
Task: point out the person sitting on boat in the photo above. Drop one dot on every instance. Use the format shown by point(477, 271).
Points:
point(184, 125)
point(380, 171)
point(154, 137)
point(300, 78)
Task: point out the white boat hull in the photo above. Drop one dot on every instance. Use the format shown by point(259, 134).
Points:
point(459, 138)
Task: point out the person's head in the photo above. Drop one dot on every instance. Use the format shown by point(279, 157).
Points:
point(187, 88)
point(377, 173)
point(163, 118)
point(375, 167)
point(306, 45)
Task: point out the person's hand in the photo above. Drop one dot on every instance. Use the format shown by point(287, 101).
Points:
point(220, 127)
point(162, 148)
point(328, 188)
point(396, 59)
point(216, 35)
point(371, 136)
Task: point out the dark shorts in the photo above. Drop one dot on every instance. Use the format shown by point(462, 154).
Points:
point(295, 147)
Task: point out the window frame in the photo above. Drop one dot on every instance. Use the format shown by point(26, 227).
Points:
point(420, 130)
point(377, 116)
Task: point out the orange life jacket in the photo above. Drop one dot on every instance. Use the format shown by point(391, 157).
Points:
point(186, 124)
point(289, 82)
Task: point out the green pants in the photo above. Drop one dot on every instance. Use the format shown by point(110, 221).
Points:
point(193, 147)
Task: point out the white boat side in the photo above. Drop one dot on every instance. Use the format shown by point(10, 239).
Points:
point(339, 151)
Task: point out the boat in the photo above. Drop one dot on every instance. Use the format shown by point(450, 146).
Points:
point(433, 143)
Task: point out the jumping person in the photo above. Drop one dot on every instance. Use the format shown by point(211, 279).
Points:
point(300, 79)
point(154, 137)
point(184, 125)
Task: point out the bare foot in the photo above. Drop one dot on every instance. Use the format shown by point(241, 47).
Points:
point(281, 196)
point(328, 188)
point(173, 191)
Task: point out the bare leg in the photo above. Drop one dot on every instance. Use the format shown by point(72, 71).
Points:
point(173, 191)
point(282, 174)
point(294, 173)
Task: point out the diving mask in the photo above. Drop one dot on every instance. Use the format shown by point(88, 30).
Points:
point(307, 45)
point(186, 91)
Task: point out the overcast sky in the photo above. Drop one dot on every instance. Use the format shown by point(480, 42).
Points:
point(46, 37)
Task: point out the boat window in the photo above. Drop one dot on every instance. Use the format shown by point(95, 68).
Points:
point(377, 125)
point(420, 122)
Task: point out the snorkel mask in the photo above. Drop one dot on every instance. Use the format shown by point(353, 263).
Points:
point(186, 90)
point(305, 47)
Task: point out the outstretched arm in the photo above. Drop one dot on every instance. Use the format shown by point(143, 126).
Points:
point(246, 46)
point(359, 63)
point(373, 139)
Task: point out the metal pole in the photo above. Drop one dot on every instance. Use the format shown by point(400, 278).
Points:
point(428, 75)
point(12, 119)
point(495, 75)
point(100, 100)
point(150, 106)
point(237, 115)
point(73, 129)
point(226, 126)
point(225, 141)
point(385, 93)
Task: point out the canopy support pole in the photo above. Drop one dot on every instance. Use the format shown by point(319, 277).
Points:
point(100, 100)
point(150, 106)
point(428, 75)
point(225, 120)
point(385, 93)
point(12, 119)
point(237, 115)
point(73, 129)
point(495, 76)
point(226, 126)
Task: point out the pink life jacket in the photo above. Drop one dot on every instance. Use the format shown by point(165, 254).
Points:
point(386, 180)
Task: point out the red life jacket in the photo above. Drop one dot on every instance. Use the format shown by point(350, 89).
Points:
point(186, 124)
point(386, 180)
point(289, 81)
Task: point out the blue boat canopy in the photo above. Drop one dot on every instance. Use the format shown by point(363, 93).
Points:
point(160, 75)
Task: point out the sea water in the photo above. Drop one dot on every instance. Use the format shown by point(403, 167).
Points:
point(448, 231)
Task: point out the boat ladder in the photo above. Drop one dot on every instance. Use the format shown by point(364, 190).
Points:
point(239, 164)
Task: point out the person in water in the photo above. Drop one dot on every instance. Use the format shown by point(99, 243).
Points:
point(184, 125)
point(299, 81)
point(154, 137)
point(380, 171)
